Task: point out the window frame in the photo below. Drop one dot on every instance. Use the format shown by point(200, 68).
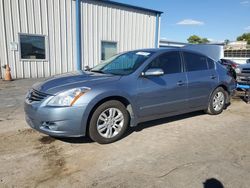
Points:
point(108, 41)
point(33, 35)
point(214, 64)
point(158, 56)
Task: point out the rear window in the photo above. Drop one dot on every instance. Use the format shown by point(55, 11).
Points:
point(195, 62)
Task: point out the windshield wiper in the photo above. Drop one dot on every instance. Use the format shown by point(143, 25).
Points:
point(98, 71)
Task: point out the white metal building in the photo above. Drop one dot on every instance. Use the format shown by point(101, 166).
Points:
point(40, 38)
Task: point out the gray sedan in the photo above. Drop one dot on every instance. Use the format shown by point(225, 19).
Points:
point(127, 89)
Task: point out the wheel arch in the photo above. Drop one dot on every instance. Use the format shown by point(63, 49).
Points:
point(126, 102)
point(225, 88)
point(227, 92)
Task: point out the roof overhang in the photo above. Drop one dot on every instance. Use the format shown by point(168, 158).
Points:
point(130, 6)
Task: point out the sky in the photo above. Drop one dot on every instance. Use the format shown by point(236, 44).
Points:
point(216, 20)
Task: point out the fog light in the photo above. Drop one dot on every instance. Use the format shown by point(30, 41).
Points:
point(49, 125)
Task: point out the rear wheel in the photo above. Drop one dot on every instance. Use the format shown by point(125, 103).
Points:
point(217, 101)
point(109, 122)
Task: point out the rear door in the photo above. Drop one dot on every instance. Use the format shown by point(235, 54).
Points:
point(201, 78)
point(163, 94)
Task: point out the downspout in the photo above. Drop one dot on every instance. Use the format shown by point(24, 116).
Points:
point(157, 30)
point(78, 35)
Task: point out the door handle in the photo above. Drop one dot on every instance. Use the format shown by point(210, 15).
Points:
point(180, 83)
point(213, 77)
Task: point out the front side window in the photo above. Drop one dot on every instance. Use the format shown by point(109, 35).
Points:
point(32, 47)
point(169, 62)
point(109, 49)
point(195, 62)
point(123, 64)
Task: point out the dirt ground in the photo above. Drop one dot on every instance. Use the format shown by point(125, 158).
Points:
point(181, 151)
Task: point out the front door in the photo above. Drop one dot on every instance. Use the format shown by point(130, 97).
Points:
point(158, 95)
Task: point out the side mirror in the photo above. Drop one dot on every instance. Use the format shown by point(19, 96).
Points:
point(153, 72)
point(87, 68)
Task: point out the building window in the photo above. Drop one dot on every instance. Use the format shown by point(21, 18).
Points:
point(109, 49)
point(237, 53)
point(32, 47)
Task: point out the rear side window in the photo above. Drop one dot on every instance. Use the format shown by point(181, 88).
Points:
point(195, 62)
point(210, 63)
point(169, 62)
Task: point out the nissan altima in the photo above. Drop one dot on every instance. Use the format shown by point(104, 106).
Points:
point(127, 89)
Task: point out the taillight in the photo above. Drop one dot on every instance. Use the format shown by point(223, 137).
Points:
point(234, 66)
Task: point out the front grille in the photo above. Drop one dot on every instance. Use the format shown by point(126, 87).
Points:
point(36, 96)
point(246, 70)
point(243, 79)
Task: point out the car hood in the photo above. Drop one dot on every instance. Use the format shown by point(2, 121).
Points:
point(73, 80)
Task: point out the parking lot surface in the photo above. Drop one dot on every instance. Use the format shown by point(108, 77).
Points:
point(183, 151)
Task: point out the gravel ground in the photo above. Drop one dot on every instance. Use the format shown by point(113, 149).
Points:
point(191, 150)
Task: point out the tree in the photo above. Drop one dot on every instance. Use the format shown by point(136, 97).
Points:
point(194, 39)
point(204, 40)
point(226, 41)
point(244, 37)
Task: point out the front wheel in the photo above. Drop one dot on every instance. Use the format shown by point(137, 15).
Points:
point(217, 101)
point(108, 122)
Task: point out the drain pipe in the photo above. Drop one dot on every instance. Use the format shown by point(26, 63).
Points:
point(157, 25)
point(78, 36)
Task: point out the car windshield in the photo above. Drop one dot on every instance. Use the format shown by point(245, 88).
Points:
point(122, 64)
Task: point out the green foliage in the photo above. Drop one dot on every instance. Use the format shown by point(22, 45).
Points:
point(204, 41)
point(244, 37)
point(194, 39)
point(226, 41)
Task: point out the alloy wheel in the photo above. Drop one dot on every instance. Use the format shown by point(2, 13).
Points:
point(218, 101)
point(110, 122)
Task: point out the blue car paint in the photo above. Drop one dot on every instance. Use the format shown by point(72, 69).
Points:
point(148, 97)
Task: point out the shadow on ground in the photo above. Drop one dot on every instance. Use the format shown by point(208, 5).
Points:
point(212, 183)
point(76, 140)
point(140, 127)
point(153, 123)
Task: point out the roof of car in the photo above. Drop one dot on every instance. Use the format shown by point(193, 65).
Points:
point(156, 49)
point(167, 50)
point(228, 60)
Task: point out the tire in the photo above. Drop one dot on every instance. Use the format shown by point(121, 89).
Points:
point(108, 122)
point(217, 101)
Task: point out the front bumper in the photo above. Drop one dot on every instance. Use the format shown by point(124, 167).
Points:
point(56, 121)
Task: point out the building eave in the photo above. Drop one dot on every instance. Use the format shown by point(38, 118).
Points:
point(130, 6)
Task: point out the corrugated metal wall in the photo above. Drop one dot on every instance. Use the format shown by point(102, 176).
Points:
point(53, 18)
point(130, 28)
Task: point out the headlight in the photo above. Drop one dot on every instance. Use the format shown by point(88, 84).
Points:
point(237, 70)
point(68, 98)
